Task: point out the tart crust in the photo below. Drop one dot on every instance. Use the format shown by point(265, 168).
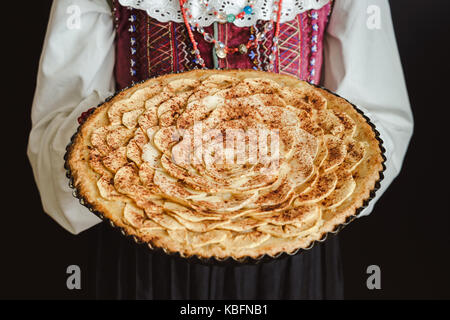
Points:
point(258, 239)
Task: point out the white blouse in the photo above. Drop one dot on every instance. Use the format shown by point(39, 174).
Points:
point(76, 72)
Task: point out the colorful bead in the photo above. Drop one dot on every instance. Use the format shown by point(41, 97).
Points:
point(208, 38)
point(242, 49)
point(248, 10)
point(268, 26)
point(221, 53)
point(231, 17)
point(199, 61)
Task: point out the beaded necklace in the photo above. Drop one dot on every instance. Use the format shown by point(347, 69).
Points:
point(221, 49)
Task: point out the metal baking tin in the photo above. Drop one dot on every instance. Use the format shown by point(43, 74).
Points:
point(229, 260)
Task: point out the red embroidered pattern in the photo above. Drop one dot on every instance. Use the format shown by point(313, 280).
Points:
point(290, 49)
point(160, 47)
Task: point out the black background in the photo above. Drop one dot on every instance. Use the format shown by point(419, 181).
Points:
point(407, 235)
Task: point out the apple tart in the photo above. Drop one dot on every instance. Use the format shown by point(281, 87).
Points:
point(220, 164)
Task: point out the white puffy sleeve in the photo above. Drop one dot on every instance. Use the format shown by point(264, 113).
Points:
point(75, 74)
point(362, 64)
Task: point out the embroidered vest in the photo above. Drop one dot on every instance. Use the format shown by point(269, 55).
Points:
point(147, 48)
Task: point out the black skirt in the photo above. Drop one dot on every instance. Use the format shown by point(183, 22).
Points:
point(125, 270)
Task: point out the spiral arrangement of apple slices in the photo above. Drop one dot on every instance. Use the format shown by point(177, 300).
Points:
point(143, 158)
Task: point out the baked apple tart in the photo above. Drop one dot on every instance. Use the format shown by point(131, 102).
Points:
point(220, 164)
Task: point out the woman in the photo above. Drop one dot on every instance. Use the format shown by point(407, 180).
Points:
point(93, 48)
